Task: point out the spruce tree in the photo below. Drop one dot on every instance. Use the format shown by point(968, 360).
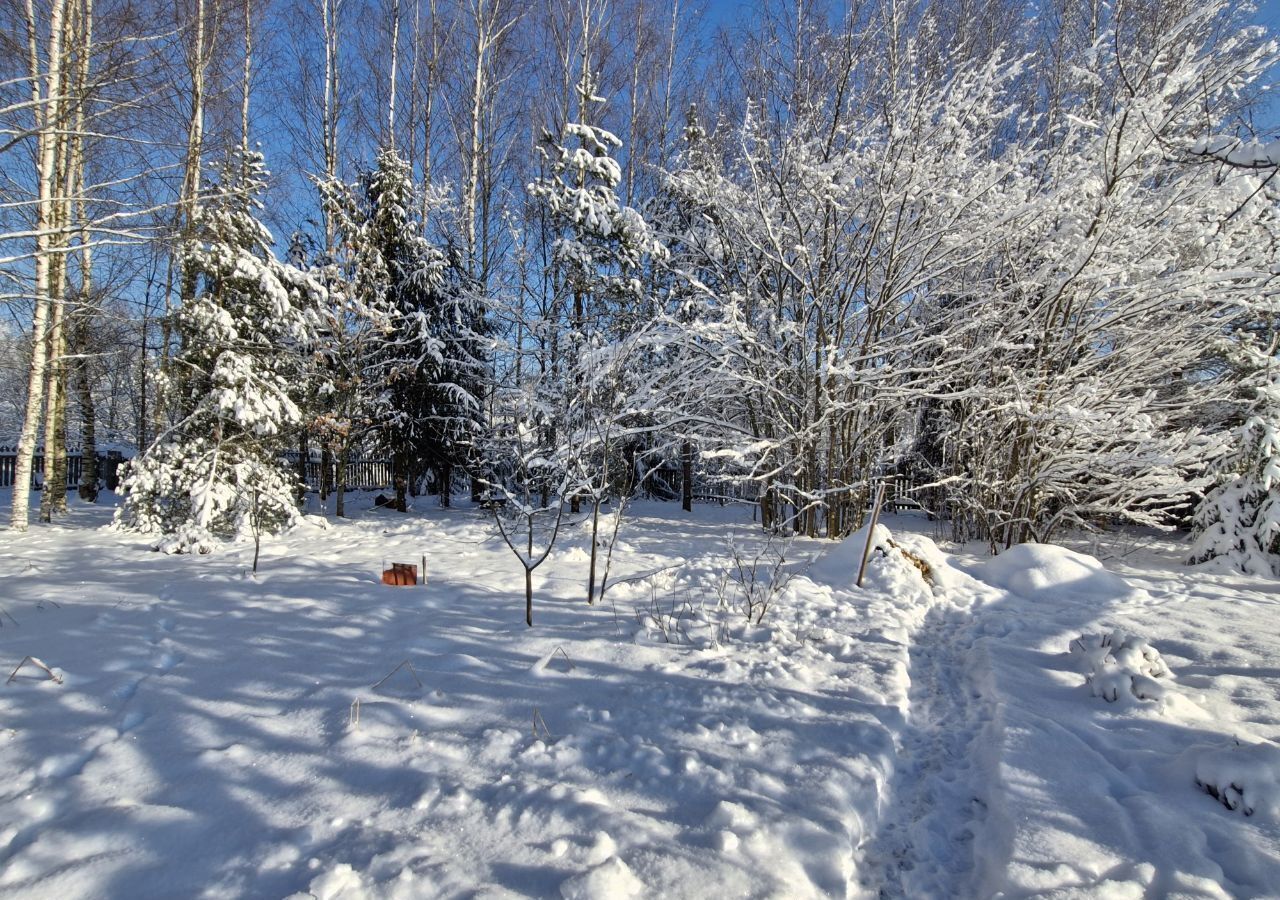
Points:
point(217, 472)
point(600, 253)
point(1239, 519)
point(425, 372)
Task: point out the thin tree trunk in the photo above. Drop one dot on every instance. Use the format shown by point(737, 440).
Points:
point(339, 504)
point(528, 597)
point(67, 167)
point(326, 463)
point(189, 199)
point(48, 112)
point(88, 421)
point(395, 56)
point(471, 191)
point(528, 576)
point(246, 82)
point(88, 487)
point(686, 476)
point(142, 386)
point(304, 459)
point(400, 480)
point(53, 501)
point(595, 533)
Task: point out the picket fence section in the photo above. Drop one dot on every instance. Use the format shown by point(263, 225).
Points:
point(108, 468)
point(362, 474)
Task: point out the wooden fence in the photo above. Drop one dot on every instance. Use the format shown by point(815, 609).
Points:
point(373, 474)
point(108, 468)
point(363, 473)
point(901, 491)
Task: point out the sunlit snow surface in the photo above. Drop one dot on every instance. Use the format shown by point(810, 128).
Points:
point(217, 734)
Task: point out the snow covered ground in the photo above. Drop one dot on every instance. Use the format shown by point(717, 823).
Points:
point(312, 731)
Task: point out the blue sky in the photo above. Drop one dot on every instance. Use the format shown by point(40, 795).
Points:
point(1268, 14)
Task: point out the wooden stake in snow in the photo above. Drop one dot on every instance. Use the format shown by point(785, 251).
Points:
point(871, 532)
point(39, 664)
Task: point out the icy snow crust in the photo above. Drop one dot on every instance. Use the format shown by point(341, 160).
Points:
point(928, 735)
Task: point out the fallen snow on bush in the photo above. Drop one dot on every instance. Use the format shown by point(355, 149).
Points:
point(1243, 777)
point(1118, 665)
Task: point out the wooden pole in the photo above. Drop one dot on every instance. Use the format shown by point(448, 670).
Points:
point(875, 520)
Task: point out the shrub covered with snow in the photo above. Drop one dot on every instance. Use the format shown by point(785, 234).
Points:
point(1120, 665)
point(1244, 777)
point(678, 621)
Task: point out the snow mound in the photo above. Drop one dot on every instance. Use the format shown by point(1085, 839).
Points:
point(611, 880)
point(1033, 569)
point(838, 566)
point(906, 567)
point(1243, 777)
point(1120, 665)
point(576, 555)
point(928, 557)
point(311, 524)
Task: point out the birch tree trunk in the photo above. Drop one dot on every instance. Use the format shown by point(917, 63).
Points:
point(70, 176)
point(47, 108)
point(88, 487)
point(189, 198)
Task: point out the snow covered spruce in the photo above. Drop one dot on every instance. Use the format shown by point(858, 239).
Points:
point(232, 387)
point(1119, 665)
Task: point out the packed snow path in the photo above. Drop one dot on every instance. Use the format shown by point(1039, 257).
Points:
point(1097, 798)
point(936, 801)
